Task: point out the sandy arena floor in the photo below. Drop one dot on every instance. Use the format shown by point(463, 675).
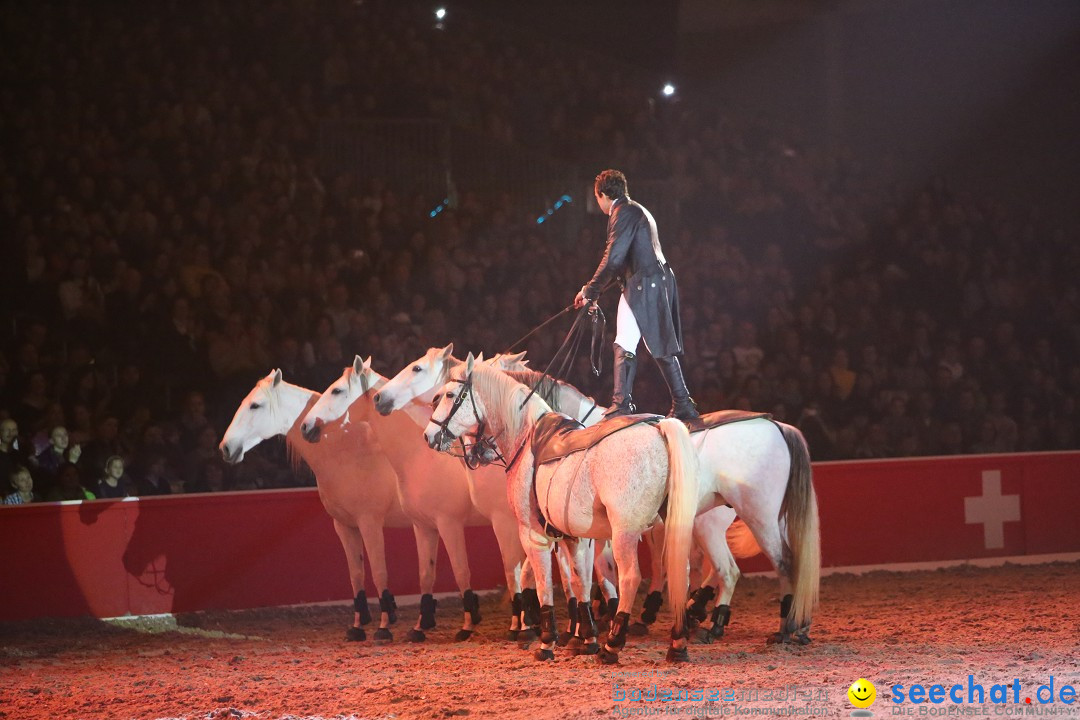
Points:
point(999, 625)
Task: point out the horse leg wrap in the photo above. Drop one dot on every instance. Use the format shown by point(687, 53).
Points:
point(695, 609)
point(359, 604)
point(785, 605)
point(428, 603)
point(653, 601)
point(547, 624)
point(617, 632)
point(721, 616)
point(612, 607)
point(531, 605)
point(515, 605)
point(388, 605)
point(471, 603)
point(572, 623)
point(585, 621)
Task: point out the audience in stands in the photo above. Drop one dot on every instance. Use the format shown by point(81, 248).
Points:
point(173, 236)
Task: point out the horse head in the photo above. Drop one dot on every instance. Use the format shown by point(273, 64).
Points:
point(417, 381)
point(457, 409)
point(354, 383)
point(255, 420)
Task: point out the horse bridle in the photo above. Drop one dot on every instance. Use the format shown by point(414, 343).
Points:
point(473, 455)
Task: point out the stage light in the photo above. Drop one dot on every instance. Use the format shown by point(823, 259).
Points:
point(440, 14)
point(668, 90)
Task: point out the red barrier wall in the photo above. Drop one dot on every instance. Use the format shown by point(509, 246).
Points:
point(240, 550)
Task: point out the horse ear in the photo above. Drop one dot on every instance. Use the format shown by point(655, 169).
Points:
point(277, 377)
point(470, 363)
point(520, 357)
point(358, 365)
point(367, 363)
point(480, 358)
point(447, 351)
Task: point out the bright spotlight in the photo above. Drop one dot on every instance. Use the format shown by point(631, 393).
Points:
point(440, 13)
point(668, 90)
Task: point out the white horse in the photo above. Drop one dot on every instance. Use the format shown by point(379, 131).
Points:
point(613, 491)
point(719, 580)
point(761, 468)
point(356, 483)
point(437, 490)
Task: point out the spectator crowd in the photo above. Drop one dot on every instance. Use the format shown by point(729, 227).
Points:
point(171, 237)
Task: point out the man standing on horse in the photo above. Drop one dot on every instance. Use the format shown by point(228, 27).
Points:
point(649, 304)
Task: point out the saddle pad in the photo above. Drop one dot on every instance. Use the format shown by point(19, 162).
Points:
point(726, 417)
point(557, 435)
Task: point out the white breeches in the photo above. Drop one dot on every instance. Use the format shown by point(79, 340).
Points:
point(627, 332)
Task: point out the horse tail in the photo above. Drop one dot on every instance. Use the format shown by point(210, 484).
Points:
point(800, 514)
point(682, 503)
point(741, 540)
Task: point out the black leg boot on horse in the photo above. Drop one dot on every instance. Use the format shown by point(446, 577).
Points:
point(584, 640)
point(388, 609)
point(616, 640)
point(683, 406)
point(622, 402)
point(547, 634)
point(363, 617)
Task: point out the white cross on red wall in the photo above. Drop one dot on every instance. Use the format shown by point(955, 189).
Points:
point(992, 509)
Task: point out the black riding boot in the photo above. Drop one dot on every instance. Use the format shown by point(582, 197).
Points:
point(683, 406)
point(625, 368)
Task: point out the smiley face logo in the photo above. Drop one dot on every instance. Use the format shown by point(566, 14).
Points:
point(862, 693)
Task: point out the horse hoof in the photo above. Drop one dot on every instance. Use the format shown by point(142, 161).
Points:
point(606, 657)
point(707, 636)
point(528, 635)
point(416, 636)
point(463, 635)
point(355, 634)
point(564, 637)
point(638, 629)
point(513, 635)
point(543, 655)
point(781, 638)
point(383, 636)
point(586, 649)
point(677, 655)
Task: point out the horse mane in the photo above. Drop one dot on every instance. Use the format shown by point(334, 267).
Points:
point(546, 386)
point(504, 391)
point(296, 462)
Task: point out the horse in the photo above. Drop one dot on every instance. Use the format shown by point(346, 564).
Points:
point(356, 483)
point(436, 490)
point(761, 469)
point(613, 491)
point(722, 571)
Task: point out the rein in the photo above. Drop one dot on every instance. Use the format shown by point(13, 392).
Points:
point(572, 343)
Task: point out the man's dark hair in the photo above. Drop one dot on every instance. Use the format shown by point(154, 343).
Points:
point(611, 183)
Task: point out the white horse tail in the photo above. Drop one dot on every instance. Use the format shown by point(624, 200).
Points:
point(682, 504)
point(741, 540)
point(800, 513)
